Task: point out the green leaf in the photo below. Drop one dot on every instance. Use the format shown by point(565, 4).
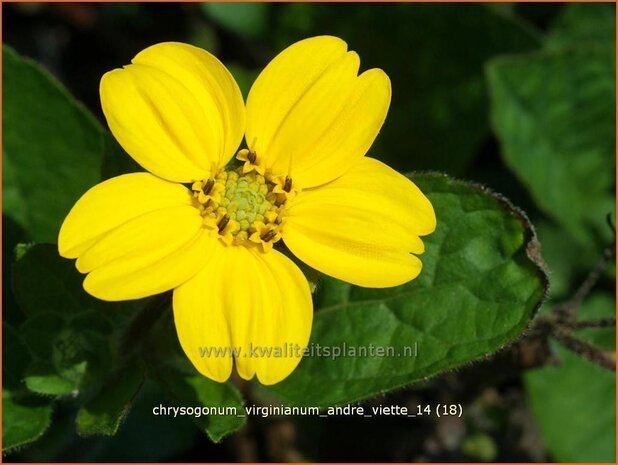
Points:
point(480, 285)
point(70, 351)
point(249, 20)
point(575, 403)
point(583, 23)
point(45, 282)
point(198, 391)
point(25, 417)
point(52, 148)
point(103, 414)
point(42, 378)
point(438, 116)
point(554, 114)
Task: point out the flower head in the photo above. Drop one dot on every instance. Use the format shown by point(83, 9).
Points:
point(211, 226)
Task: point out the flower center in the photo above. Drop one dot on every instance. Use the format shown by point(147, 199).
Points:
point(243, 208)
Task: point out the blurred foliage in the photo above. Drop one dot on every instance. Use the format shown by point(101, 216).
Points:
point(541, 76)
point(248, 20)
point(554, 114)
point(575, 402)
point(480, 446)
point(581, 25)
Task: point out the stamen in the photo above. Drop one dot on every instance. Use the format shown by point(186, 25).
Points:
point(208, 186)
point(251, 162)
point(223, 223)
point(284, 189)
point(287, 185)
point(269, 235)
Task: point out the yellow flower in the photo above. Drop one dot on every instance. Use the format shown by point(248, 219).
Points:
point(304, 181)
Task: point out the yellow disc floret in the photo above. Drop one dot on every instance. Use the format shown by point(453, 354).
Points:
point(243, 208)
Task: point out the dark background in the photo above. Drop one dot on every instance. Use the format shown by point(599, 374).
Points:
point(434, 55)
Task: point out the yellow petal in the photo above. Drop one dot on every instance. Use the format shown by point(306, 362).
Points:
point(138, 275)
point(181, 118)
point(201, 320)
point(310, 115)
point(255, 305)
point(284, 316)
point(209, 82)
point(114, 202)
point(160, 232)
point(363, 227)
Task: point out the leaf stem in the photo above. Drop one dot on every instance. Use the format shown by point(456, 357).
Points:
point(589, 351)
point(597, 323)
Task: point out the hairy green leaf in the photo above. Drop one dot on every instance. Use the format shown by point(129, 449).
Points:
point(42, 378)
point(104, 412)
point(480, 285)
point(25, 416)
